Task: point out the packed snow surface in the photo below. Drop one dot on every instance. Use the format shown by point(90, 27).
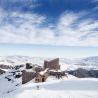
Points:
point(66, 88)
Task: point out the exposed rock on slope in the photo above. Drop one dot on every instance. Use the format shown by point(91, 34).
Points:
point(83, 73)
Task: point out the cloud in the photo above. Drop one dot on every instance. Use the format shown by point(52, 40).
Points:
point(71, 29)
point(94, 0)
point(24, 28)
point(74, 30)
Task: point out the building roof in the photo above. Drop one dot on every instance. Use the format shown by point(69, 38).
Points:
point(56, 70)
point(43, 72)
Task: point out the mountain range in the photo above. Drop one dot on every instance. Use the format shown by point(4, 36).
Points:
point(87, 62)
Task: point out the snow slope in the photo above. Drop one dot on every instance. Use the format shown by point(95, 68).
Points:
point(8, 86)
point(53, 88)
point(69, 88)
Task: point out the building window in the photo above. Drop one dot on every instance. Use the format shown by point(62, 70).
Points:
point(37, 80)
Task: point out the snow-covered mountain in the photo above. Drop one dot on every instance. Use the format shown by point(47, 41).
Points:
point(89, 62)
point(70, 87)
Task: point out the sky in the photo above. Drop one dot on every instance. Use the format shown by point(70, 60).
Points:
point(69, 52)
point(64, 28)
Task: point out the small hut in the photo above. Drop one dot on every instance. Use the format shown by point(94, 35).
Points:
point(41, 76)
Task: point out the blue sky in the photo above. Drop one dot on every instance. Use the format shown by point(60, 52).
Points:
point(58, 25)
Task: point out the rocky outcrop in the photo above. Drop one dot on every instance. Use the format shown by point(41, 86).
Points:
point(5, 66)
point(83, 73)
point(28, 65)
point(2, 71)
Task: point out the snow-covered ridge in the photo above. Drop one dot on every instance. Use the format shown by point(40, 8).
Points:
point(87, 63)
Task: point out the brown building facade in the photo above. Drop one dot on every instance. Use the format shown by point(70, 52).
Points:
point(53, 64)
point(27, 76)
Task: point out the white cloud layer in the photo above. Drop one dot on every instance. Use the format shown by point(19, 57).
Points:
point(70, 30)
